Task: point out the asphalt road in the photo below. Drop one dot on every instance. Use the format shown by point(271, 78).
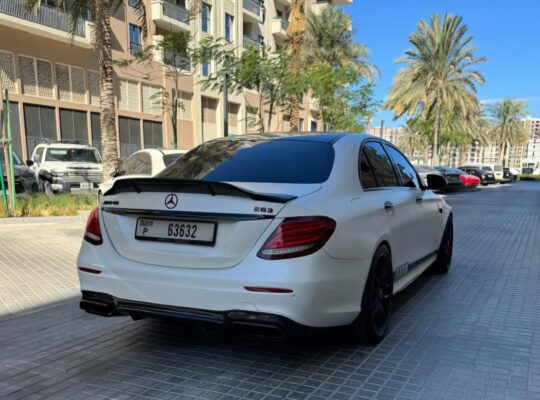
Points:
point(473, 334)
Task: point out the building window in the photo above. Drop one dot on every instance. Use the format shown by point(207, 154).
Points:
point(39, 124)
point(153, 135)
point(260, 39)
point(234, 108)
point(209, 108)
point(205, 69)
point(152, 99)
point(205, 17)
point(185, 106)
point(128, 95)
point(73, 126)
point(229, 19)
point(313, 126)
point(135, 46)
point(130, 136)
point(95, 119)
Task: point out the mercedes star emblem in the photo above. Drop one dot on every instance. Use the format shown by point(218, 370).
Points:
point(171, 201)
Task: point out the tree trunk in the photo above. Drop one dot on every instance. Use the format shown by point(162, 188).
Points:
point(175, 122)
point(461, 156)
point(425, 156)
point(109, 143)
point(295, 68)
point(436, 133)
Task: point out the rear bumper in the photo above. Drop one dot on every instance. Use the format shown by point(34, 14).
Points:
point(325, 291)
point(110, 306)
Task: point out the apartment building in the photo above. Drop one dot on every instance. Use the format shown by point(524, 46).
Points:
point(53, 79)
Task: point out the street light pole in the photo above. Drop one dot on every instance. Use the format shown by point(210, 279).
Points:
point(226, 104)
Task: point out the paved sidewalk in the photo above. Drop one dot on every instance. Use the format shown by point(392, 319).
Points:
point(473, 334)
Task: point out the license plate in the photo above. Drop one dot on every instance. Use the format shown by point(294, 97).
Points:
point(201, 233)
point(86, 185)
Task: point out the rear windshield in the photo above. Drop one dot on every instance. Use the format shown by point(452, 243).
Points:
point(255, 160)
point(486, 168)
point(168, 159)
point(72, 155)
point(498, 168)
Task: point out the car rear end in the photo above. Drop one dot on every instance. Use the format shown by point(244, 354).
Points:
point(188, 244)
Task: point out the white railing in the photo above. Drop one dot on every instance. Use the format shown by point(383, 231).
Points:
point(44, 15)
point(252, 6)
point(249, 42)
point(175, 12)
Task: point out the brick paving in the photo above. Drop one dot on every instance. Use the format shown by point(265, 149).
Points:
point(473, 334)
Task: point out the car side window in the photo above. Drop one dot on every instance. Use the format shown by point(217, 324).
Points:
point(367, 175)
point(381, 165)
point(39, 154)
point(137, 164)
point(403, 168)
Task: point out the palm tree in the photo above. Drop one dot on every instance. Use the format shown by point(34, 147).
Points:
point(508, 129)
point(329, 40)
point(414, 138)
point(295, 32)
point(438, 74)
point(101, 12)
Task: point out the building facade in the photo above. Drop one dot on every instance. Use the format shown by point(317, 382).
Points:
point(53, 79)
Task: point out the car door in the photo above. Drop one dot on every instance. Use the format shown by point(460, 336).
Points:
point(423, 203)
point(397, 204)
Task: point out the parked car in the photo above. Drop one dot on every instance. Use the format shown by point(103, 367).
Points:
point(486, 177)
point(67, 167)
point(25, 178)
point(268, 231)
point(495, 169)
point(424, 170)
point(509, 176)
point(458, 179)
point(143, 163)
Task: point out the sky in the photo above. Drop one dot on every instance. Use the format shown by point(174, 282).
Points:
point(506, 32)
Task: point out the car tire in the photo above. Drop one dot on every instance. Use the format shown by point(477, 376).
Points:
point(444, 254)
point(371, 325)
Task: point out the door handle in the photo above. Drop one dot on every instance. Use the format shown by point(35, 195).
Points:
point(388, 205)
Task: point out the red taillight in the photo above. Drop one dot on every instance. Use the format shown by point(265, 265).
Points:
point(92, 234)
point(296, 237)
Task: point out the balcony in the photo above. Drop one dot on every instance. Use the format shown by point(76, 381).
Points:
point(252, 10)
point(251, 42)
point(47, 21)
point(279, 28)
point(169, 16)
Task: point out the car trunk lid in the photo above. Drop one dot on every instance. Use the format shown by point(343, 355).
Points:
point(239, 213)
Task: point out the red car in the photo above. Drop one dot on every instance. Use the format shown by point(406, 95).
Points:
point(458, 179)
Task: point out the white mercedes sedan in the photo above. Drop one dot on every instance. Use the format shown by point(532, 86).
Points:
point(287, 233)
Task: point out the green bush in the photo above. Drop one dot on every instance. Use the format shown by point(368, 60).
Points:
point(530, 177)
point(40, 205)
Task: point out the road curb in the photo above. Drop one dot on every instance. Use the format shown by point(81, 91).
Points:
point(81, 216)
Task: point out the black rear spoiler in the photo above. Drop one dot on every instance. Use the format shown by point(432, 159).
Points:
point(162, 185)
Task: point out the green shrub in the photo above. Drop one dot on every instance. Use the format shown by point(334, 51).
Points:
point(530, 177)
point(40, 205)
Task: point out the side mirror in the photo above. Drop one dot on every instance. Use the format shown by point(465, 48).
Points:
point(435, 182)
point(113, 173)
point(29, 163)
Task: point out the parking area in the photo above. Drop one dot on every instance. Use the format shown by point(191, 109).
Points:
point(473, 334)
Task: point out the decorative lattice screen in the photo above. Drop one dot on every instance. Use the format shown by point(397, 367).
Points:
point(44, 75)
point(133, 96)
point(28, 75)
point(185, 112)
point(62, 81)
point(93, 87)
point(7, 72)
point(77, 85)
point(152, 99)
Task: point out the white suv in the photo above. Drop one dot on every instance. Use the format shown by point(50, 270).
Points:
point(66, 167)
